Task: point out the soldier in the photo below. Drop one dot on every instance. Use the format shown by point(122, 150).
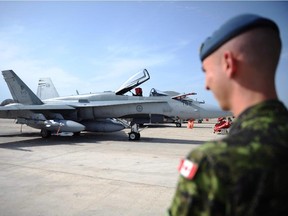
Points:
point(246, 173)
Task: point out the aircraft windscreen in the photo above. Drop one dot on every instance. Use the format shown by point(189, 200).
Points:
point(154, 92)
point(133, 82)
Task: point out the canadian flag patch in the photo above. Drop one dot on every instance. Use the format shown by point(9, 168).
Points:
point(187, 168)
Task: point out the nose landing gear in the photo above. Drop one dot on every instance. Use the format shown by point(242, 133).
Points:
point(134, 134)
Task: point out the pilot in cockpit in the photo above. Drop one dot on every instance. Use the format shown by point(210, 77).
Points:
point(138, 92)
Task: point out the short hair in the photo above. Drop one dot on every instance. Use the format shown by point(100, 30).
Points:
point(261, 48)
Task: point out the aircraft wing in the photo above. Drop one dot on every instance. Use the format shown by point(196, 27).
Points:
point(15, 111)
point(72, 105)
point(43, 107)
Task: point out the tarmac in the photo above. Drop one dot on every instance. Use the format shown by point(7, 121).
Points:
point(95, 173)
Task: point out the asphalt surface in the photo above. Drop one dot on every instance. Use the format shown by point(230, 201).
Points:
point(94, 174)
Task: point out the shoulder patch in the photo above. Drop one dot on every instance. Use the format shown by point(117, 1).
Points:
point(187, 168)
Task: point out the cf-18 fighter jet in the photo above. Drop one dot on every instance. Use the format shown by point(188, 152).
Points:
point(46, 90)
point(102, 112)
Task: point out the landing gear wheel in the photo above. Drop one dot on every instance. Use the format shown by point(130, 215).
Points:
point(45, 133)
point(134, 136)
point(178, 124)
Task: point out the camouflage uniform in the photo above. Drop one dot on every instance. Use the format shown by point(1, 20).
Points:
point(246, 173)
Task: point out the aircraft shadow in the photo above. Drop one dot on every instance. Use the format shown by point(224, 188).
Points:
point(93, 138)
point(171, 141)
point(36, 140)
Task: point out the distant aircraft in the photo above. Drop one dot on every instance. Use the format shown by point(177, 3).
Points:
point(102, 112)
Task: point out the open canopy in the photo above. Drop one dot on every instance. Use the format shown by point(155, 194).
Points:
point(134, 81)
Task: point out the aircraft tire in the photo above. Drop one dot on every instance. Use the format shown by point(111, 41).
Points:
point(178, 124)
point(45, 133)
point(134, 136)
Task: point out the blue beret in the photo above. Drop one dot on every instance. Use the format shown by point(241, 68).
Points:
point(233, 28)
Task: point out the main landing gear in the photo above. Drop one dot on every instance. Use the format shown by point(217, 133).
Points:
point(134, 134)
point(45, 133)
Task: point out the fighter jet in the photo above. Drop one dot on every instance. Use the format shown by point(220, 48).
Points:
point(102, 112)
point(47, 90)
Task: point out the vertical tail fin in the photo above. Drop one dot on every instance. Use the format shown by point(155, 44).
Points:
point(20, 92)
point(46, 89)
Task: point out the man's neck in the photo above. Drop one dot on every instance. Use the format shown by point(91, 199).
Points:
point(247, 99)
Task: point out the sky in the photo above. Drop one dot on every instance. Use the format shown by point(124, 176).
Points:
point(95, 46)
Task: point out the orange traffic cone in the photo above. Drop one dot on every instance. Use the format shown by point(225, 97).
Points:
point(190, 124)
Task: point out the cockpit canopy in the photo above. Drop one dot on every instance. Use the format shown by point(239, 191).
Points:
point(133, 82)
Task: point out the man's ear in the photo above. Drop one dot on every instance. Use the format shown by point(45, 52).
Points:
point(229, 63)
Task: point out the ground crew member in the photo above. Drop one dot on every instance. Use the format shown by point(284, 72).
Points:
point(246, 173)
